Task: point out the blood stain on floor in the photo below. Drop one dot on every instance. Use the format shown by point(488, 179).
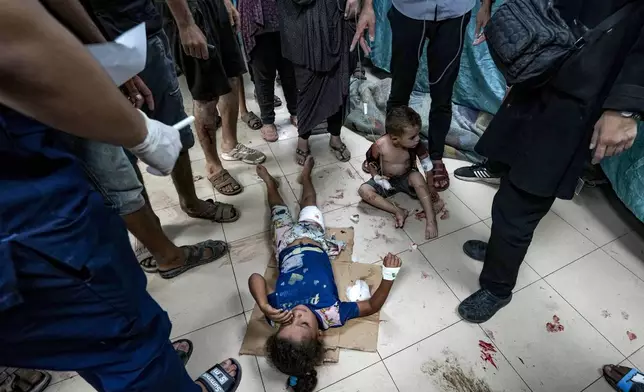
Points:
point(421, 215)
point(487, 350)
point(424, 275)
point(555, 326)
point(631, 335)
point(350, 174)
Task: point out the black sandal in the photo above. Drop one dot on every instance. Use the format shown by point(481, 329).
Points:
point(252, 121)
point(217, 212)
point(183, 355)
point(301, 155)
point(217, 379)
point(26, 380)
point(342, 153)
point(195, 257)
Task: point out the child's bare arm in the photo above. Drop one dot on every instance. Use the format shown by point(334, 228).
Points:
point(373, 160)
point(257, 286)
point(373, 305)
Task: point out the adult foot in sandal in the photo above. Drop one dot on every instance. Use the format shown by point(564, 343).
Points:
point(213, 211)
point(269, 133)
point(225, 184)
point(339, 149)
point(194, 255)
point(25, 380)
point(302, 151)
point(441, 177)
point(293, 120)
point(252, 120)
point(244, 154)
point(623, 379)
point(223, 377)
point(183, 348)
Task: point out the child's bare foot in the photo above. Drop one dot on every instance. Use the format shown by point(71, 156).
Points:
point(306, 170)
point(431, 230)
point(265, 175)
point(401, 216)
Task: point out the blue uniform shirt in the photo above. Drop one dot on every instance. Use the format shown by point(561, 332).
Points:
point(46, 201)
point(306, 278)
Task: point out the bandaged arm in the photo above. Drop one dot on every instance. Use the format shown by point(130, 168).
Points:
point(374, 304)
point(425, 160)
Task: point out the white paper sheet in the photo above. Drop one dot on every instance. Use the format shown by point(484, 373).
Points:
point(125, 57)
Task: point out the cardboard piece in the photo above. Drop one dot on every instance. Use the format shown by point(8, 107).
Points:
point(358, 334)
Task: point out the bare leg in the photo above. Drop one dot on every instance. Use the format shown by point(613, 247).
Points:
point(183, 182)
point(370, 196)
point(417, 181)
point(145, 226)
point(229, 109)
point(243, 109)
point(272, 193)
point(309, 197)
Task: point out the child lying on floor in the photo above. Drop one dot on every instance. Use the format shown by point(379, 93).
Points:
point(306, 301)
point(391, 161)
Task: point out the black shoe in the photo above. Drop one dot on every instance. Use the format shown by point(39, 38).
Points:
point(475, 249)
point(477, 173)
point(481, 306)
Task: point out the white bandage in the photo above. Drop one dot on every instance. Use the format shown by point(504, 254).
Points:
point(383, 182)
point(390, 273)
point(426, 164)
point(312, 214)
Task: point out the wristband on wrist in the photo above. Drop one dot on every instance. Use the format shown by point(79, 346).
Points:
point(390, 273)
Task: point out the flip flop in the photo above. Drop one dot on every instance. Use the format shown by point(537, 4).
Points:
point(252, 121)
point(440, 175)
point(277, 102)
point(217, 212)
point(26, 380)
point(342, 153)
point(196, 257)
point(223, 180)
point(301, 155)
point(622, 378)
point(216, 379)
point(183, 355)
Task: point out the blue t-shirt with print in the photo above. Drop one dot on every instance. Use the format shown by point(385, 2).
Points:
point(306, 278)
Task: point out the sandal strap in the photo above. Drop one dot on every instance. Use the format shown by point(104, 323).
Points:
point(217, 379)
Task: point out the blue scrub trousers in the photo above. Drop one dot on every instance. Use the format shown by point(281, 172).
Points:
point(98, 320)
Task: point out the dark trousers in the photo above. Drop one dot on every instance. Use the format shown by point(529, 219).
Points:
point(266, 61)
point(443, 62)
point(515, 216)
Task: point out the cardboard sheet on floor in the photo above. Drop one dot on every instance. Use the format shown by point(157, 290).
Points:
point(358, 334)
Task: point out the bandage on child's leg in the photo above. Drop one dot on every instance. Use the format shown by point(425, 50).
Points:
point(312, 214)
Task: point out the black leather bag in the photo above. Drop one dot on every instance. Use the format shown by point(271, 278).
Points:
point(529, 41)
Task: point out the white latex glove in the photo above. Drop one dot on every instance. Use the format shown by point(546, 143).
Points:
point(161, 146)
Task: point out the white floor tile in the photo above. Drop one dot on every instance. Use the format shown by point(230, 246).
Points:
point(593, 216)
point(628, 250)
point(607, 295)
point(375, 234)
point(459, 216)
point(451, 361)
point(57, 377)
point(336, 186)
point(601, 385)
point(637, 359)
point(75, 384)
point(350, 362)
point(476, 195)
point(218, 342)
point(373, 379)
point(459, 271)
point(555, 244)
point(419, 305)
point(184, 230)
point(356, 162)
point(255, 213)
point(538, 355)
point(250, 255)
point(162, 192)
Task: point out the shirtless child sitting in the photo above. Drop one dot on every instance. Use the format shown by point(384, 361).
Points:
point(391, 161)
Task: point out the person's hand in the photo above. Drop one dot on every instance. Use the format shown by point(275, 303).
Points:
point(613, 134)
point(194, 42)
point(233, 15)
point(482, 19)
point(367, 21)
point(161, 146)
point(275, 315)
point(138, 93)
point(351, 9)
point(392, 261)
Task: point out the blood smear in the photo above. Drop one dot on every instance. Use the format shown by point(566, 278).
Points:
point(486, 352)
point(631, 335)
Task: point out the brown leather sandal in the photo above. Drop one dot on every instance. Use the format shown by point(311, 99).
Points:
point(223, 181)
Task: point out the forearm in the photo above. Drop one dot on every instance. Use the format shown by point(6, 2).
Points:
point(72, 13)
point(367, 4)
point(377, 300)
point(46, 74)
point(181, 13)
point(257, 286)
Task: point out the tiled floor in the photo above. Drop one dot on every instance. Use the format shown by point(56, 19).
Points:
point(586, 266)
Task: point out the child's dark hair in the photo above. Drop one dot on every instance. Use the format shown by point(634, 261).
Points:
point(297, 359)
point(401, 118)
